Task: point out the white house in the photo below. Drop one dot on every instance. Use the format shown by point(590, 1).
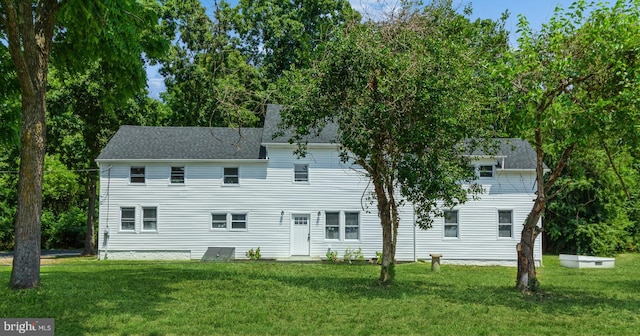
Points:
point(174, 192)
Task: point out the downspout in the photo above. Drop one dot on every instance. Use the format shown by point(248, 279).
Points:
point(106, 230)
point(415, 258)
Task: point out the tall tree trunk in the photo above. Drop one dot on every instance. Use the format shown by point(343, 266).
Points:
point(526, 279)
point(26, 261)
point(29, 30)
point(89, 239)
point(388, 251)
point(388, 247)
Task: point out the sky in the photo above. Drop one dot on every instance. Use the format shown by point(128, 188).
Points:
point(537, 12)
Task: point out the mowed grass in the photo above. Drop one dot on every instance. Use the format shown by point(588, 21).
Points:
point(266, 298)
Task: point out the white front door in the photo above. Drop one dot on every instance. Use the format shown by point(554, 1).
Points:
point(301, 235)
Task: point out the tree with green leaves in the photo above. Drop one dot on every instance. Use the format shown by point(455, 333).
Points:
point(596, 212)
point(209, 81)
point(406, 93)
point(83, 31)
point(85, 111)
point(575, 83)
point(277, 35)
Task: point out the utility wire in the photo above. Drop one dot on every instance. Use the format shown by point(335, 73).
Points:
point(54, 171)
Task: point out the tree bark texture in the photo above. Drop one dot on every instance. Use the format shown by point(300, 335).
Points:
point(26, 260)
point(29, 29)
point(527, 280)
point(388, 239)
point(89, 240)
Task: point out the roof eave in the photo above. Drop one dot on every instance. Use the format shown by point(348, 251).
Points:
point(181, 160)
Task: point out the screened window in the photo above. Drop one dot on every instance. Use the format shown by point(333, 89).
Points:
point(219, 221)
point(128, 219)
point(239, 221)
point(301, 173)
point(231, 175)
point(352, 225)
point(150, 219)
point(485, 171)
point(451, 224)
point(505, 223)
point(177, 175)
point(332, 225)
point(136, 175)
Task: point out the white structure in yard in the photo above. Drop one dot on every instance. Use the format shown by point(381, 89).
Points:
point(174, 192)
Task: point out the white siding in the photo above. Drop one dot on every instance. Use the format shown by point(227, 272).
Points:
point(269, 197)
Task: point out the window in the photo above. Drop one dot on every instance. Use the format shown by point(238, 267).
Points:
point(231, 176)
point(239, 221)
point(128, 219)
point(219, 221)
point(505, 223)
point(136, 175)
point(485, 171)
point(332, 225)
point(150, 219)
point(301, 173)
point(177, 175)
point(451, 223)
point(226, 221)
point(352, 225)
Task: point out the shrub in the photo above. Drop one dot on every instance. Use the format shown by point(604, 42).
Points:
point(332, 256)
point(64, 231)
point(253, 255)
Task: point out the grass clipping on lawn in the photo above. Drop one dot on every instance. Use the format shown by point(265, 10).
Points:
point(89, 297)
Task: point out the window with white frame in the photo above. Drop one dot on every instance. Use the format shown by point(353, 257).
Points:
point(127, 219)
point(352, 225)
point(341, 223)
point(177, 175)
point(150, 219)
point(136, 175)
point(238, 221)
point(505, 223)
point(301, 173)
point(231, 175)
point(485, 171)
point(332, 225)
point(219, 221)
point(451, 224)
point(228, 221)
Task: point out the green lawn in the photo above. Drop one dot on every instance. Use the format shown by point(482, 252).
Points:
point(191, 298)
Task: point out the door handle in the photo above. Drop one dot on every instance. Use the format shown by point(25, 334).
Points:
point(308, 237)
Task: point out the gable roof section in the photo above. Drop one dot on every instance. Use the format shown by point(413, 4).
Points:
point(519, 154)
point(221, 143)
point(184, 143)
point(329, 133)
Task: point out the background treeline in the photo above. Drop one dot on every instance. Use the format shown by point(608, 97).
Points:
point(221, 69)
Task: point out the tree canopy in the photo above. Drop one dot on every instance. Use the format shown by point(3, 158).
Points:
point(575, 84)
point(406, 94)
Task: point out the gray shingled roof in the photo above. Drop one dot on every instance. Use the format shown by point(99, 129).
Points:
point(217, 143)
point(519, 154)
point(329, 133)
point(183, 143)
